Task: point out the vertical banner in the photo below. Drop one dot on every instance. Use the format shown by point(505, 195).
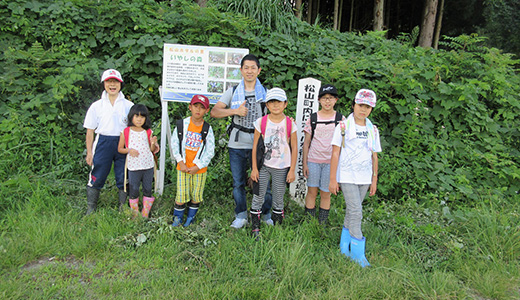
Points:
point(190, 70)
point(308, 89)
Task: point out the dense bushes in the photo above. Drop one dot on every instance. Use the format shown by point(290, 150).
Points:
point(448, 117)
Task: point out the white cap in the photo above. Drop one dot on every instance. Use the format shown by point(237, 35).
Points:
point(276, 94)
point(111, 73)
point(365, 96)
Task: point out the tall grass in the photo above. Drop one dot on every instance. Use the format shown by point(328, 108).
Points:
point(50, 250)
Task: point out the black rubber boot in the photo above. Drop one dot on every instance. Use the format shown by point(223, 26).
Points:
point(255, 223)
point(310, 212)
point(122, 199)
point(92, 199)
point(277, 217)
point(323, 216)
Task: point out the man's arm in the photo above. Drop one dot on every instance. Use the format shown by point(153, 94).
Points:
point(220, 110)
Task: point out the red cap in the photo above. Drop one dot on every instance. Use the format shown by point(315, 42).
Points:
point(200, 99)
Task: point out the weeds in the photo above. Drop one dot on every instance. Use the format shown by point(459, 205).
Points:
point(51, 250)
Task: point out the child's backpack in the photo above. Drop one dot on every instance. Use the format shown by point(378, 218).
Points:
point(288, 122)
point(314, 121)
point(126, 133)
point(260, 147)
point(241, 128)
point(180, 134)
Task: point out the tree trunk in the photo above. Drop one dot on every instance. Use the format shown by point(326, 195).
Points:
point(438, 26)
point(297, 9)
point(378, 14)
point(387, 14)
point(351, 15)
point(340, 16)
point(428, 23)
point(336, 14)
point(309, 11)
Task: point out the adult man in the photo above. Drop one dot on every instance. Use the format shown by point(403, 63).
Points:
point(244, 104)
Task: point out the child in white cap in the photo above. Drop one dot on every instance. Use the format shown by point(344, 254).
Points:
point(354, 166)
point(278, 162)
point(105, 120)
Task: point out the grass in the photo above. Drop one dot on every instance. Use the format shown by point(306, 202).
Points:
point(51, 250)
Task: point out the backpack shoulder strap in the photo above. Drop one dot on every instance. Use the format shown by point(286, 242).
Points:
point(263, 125)
point(204, 134)
point(342, 125)
point(180, 133)
point(149, 133)
point(314, 121)
point(288, 123)
point(126, 133)
point(338, 118)
point(205, 130)
point(262, 108)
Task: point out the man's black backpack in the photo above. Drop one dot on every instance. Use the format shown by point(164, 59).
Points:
point(180, 134)
point(241, 128)
point(314, 121)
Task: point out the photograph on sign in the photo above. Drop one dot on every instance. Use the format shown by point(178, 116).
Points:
point(189, 70)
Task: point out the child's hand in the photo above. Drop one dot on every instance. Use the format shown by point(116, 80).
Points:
point(155, 146)
point(333, 187)
point(133, 153)
point(89, 159)
point(290, 176)
point(373, 186)
point(183, 167)
point(254, 175)
point(305, 171)
point(193, 170)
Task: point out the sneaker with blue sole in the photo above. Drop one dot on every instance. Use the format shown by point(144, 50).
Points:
point(239, 223)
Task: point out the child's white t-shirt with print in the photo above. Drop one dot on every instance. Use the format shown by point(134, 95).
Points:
point(138, 140)
point(355, 160)
point(277, 150)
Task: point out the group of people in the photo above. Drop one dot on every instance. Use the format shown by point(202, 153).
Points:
point(338, 153)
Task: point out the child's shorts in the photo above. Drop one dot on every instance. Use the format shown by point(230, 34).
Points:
point(319, 176)
point(190, 187)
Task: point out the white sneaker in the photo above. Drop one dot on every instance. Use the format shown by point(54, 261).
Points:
point(269, 222)
point(239, 223)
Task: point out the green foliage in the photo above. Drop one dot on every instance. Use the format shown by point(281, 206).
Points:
point(272, 15)
point(447, 118)
point(502, 24)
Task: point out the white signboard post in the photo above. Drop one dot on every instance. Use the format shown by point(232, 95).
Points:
point(307, 104)
point(193, 70)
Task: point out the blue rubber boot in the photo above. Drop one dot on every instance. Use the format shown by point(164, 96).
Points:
point(357, 251)
point(178, 215)
point(344, 243)
point(192, 211)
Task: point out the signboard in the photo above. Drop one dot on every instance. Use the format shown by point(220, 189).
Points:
point(190, 70)
point(308, 89)
point(193, 70)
